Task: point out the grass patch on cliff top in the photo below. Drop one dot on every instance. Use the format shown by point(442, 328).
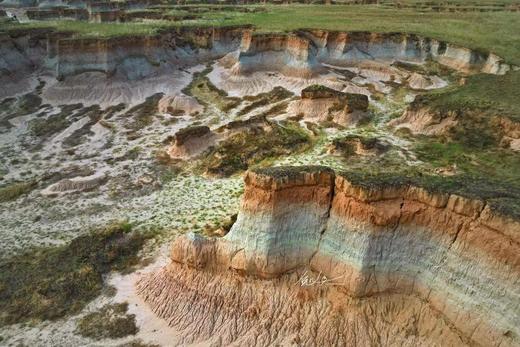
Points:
point(48, 283)
point(489, 174)
point(489, 94)
point(500, 195)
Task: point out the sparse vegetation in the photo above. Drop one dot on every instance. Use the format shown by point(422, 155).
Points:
point(14, 190)
point(111, 321)
point(51, 282)
point(78, 136)
point(254, 144)
point(208, 95)
point(52, 125)
point(488, 94)
point(142, 115)
point(264, 99)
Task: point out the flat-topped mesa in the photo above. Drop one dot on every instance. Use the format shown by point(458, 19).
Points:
point(278, 228)
point(454, 252)
point(289, 54)
point(320, 104)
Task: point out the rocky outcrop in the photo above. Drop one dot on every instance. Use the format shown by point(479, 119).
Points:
point(421, 82)
point(191, 141)
point(358, 145)
point(321, 104)
point(75, 184)
point(358, 246)
point(421, 118)
point(21, 53)
point(426, 121)
point(511, 133)
point(340, 48)
point(179, 104)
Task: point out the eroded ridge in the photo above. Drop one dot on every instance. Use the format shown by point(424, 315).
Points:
point(420, 266)
point(71, 65)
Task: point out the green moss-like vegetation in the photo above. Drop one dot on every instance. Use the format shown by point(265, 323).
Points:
point(46, 127)
point(346, 145)
point(208, 95)
point(24, 105)
point(502, 195)
point(78, 136)
point(291, 171)
point(252, 145)
point(15, 190)
point(111, 321)
point(320, 91)
point(263, 99)
point(49, 283)
point(142, 115)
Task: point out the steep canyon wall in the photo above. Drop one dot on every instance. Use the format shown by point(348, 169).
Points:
point(454, 254)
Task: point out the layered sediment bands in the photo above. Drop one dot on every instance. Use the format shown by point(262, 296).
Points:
point(137, 57)
point(303, 53)
point(288, 213)
point(21, 53)
point(453, 258)
point(289, 54)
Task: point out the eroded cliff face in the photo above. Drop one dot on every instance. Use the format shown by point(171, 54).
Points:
point(289, 54)
point(21, 53)
point(305, 52)
point(137, 57)
point(391, 265)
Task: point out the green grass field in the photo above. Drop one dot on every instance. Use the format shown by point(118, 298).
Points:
point(488, 31)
